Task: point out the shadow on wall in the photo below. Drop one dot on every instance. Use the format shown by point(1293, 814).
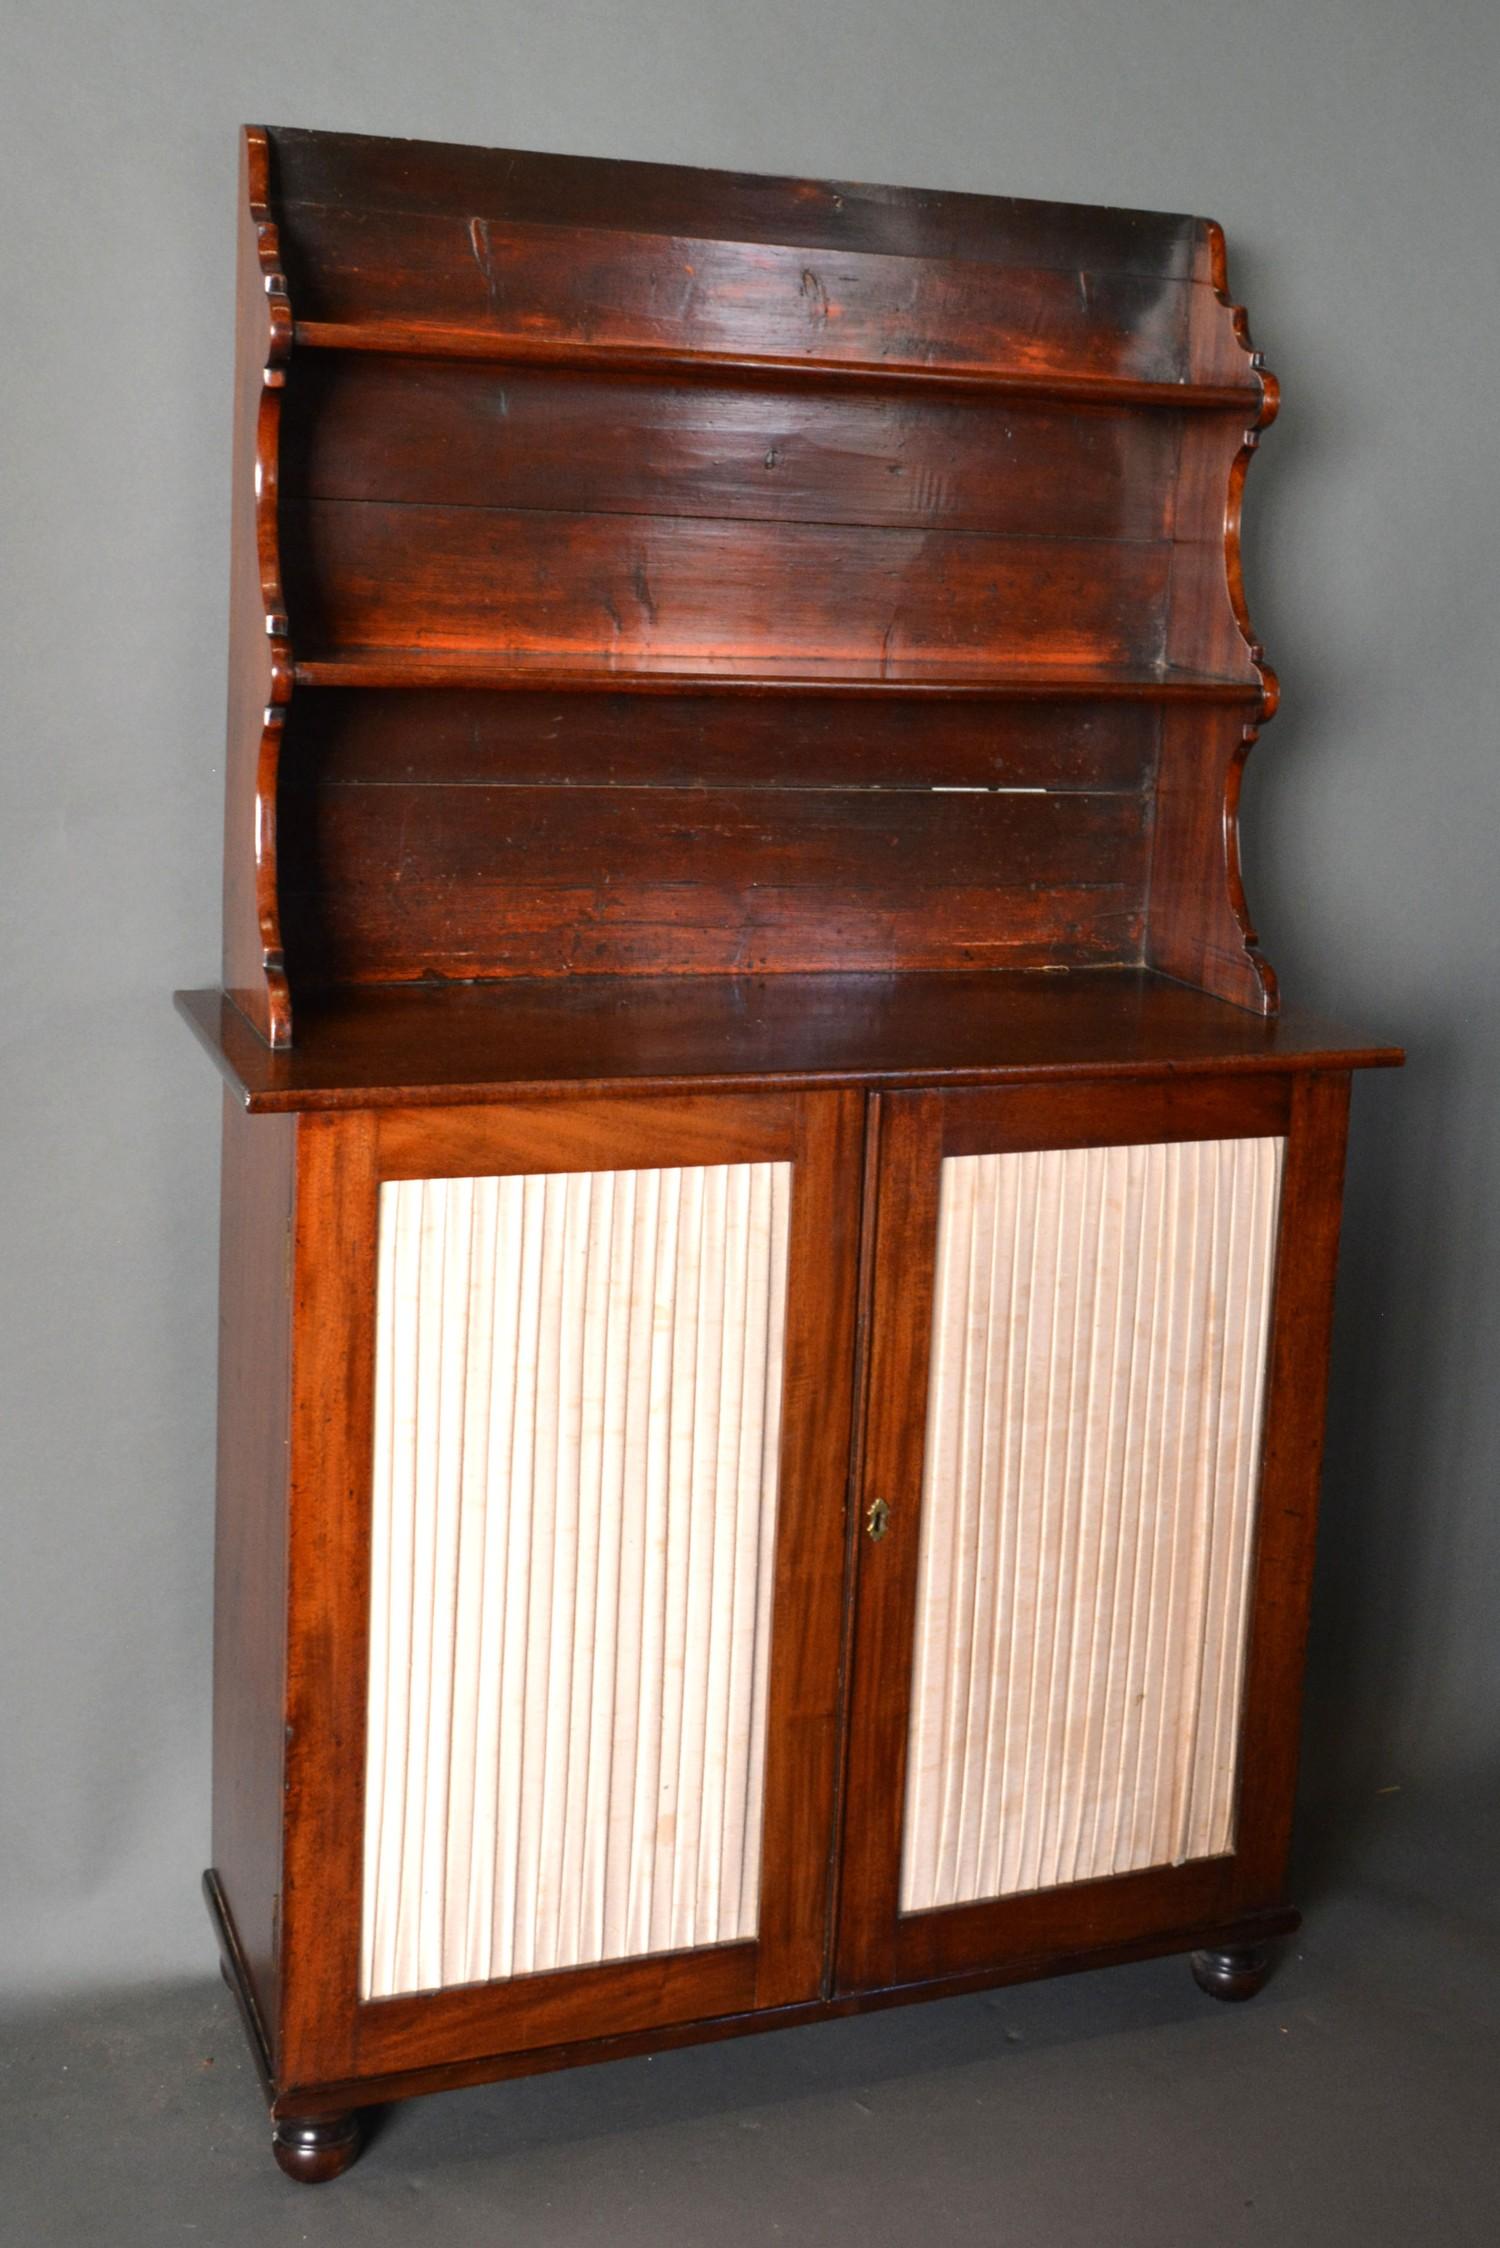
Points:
point(1404, 1481)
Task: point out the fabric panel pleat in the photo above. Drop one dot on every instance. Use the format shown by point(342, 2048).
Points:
point(1093, 1437)
point(577, 1427)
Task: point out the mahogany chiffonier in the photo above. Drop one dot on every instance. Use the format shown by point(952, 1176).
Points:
point(778, 1251)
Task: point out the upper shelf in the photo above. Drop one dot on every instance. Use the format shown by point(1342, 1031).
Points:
point(704, 461)
point(597, 671)
point(429, 339)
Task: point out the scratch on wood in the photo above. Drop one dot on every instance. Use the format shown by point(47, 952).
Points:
point(641, 586)
point(813, 288)
point(479, 243)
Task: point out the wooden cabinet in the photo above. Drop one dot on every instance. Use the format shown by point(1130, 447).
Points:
point(778, 1250)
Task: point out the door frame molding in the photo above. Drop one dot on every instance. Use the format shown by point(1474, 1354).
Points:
point(326, 2034)
point(877, 1946)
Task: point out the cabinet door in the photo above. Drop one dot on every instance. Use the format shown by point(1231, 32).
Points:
point(1094, 1418)
point(573, 1405)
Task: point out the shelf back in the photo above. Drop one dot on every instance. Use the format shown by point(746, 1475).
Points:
point(682, 571)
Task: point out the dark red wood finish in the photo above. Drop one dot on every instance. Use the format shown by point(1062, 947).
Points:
point(868, 879)
point(367, 428)
point(719, 666)
point(446, 1044)
point(297, 1970)
point(663, 550)
point(250, 1558)
point(319, 2031)
point(877, 1944)
point(260, 656)
point(334, 2101)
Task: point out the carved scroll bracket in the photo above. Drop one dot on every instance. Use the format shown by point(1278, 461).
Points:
point(1199, 928)
point(261, 662)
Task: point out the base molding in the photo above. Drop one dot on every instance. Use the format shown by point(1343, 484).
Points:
point(236, 1973)
point(302, 2104)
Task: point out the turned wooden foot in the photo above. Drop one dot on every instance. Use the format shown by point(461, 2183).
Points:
point(1238, 1973)
point(317, 2149)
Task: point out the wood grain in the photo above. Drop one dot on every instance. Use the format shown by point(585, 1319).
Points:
point(328, 1575)
point(260, 654)
point(849, 678)
point(772, 681)
point(555, 283)
point(353, 737)
point(878, 1942)
point(545, 1137)
point(684, 587)
point(1154, 1112)
point(451, 2026)
point(362, 172)
point(1196, 929)
point(660, 494)
point(495, 2067)
point(1296, 1397)
point(491, 882)
point(883, 1621)
point(1199, 926)
point(322, 2030)
point(361, 427)
point(258, 1186)
point(436, 1045)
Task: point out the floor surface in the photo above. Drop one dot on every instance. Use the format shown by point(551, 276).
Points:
point(1356, 2101)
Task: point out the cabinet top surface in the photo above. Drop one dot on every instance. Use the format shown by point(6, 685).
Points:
point(469, 1043)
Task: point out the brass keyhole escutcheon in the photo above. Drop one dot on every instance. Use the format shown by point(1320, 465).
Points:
point(878, 1520)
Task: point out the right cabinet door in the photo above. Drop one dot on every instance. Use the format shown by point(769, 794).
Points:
point(1094, 1409)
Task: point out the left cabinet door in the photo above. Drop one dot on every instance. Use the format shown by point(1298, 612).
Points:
point(570, 1432)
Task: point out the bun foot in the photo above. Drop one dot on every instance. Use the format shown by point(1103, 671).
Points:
point(318, 2149)
point(1239, 1973)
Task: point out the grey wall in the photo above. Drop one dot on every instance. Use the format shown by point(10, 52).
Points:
point(1347, 146)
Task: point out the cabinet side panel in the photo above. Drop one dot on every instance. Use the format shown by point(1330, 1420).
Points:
point(250, 1536)
point(1098, 1367)
point(577, 1422)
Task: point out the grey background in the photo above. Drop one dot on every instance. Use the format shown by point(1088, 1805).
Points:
point(1346, 145)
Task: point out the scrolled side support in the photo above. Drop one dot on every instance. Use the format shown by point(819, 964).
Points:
point(260, 652)
point(1198, 925)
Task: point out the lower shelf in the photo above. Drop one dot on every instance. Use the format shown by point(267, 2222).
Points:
point(690, 672)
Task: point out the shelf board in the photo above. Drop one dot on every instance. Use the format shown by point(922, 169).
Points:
point(599, 673)
point(440, 340)
point(424, 1045)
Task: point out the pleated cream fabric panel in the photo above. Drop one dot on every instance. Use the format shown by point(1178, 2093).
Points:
point(1093, 1440)
point(578, 1402)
